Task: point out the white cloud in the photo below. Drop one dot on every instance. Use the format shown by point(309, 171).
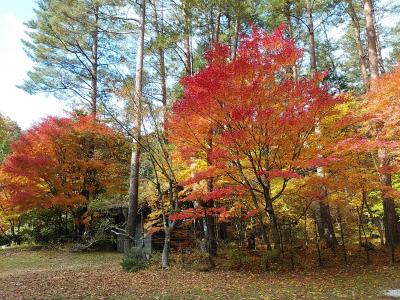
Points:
point(21, 107)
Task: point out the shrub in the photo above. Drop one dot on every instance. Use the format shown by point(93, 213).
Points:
point(237, 257)
point(4, 241)
point(155, 258)
point(269, 256)
point(134, 260)
point(42, 226)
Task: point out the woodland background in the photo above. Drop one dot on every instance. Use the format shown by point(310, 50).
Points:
point(229, 132)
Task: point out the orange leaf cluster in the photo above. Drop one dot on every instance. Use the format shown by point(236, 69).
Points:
point(63, 162)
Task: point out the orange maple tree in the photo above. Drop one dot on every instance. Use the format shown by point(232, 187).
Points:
point(63, 163)
point(369, 149)
point(382, 111)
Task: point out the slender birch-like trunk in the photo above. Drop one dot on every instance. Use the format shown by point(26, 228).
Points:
point(136, 131)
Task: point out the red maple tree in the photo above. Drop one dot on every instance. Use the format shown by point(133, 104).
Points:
point(250, 120)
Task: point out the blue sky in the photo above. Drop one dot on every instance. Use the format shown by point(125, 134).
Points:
point(22, 9)
point(15, 103)
point(21, 107)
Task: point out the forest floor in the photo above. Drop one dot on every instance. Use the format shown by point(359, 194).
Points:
point(50, 274)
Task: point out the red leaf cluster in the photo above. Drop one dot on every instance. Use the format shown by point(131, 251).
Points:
point(247, 115)
point(218, 193)
point(196, 213)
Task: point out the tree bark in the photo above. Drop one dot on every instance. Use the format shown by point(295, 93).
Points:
point(94, 62)
point(135, 159)
point(211, 235)
point(255, 202)
point(288, 17)
point(186, 40)
point(311, 37)
point(210, 221)
point(323, 219)
point(372, 40)
point(165, 252)
point(390, 219)
point(378, 46)
point(389, 211)
point(161, 55)
point(357, 37)
point(325, 225)
point(66, 223)
point(168, 225)
point(218, 25)
point(236, 37)
point(380, 58)
point(90, 174)
point(272, 216)
point(163, 77)
point(274, 225)
point(322, 214)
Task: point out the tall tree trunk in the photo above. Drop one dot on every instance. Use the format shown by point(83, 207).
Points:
point(325, 225)
point(311, 37)
point(357, 37)
point(389, 210)
point(12, 228)
point(210, 220)
point(94, 62)
point(260, 221)
point(186, 40)
point(236, 37)
point(380, 58)
point(361, 225)
point(378, 46)
point(372, 40)
point(163, 77)
point(168, 225)
point(317, 241)
point(90, 173)
point(211, 236)
point(322, 214)
point(274, 224)
point(66, 223)
point(269, 208)
point(135, 159)
point(218, 25)
point(255, 203)
point(166, 247)
point(159, 31)
point(288, 17)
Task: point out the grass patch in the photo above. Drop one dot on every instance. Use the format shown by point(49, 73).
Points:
point(21, 260)
point(98, 275)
